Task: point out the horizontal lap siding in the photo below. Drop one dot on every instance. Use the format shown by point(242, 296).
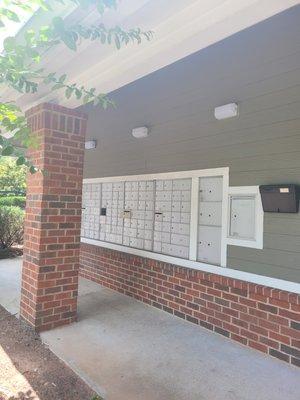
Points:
point(259, 69)
point(263, 318)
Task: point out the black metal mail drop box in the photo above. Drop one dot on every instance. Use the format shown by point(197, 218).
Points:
point(280, 198)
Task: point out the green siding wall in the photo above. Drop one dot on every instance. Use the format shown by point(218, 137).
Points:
point(260, 69)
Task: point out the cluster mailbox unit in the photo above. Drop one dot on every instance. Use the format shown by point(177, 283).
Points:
point(179, 215)
point(190, 215)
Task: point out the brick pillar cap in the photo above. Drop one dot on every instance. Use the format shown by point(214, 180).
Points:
point(57, 108)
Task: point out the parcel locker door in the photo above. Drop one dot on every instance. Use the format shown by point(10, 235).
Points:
point(242, 217)
point(210, 213)
point(210, 220)
point(209, 244)
point(211, 188)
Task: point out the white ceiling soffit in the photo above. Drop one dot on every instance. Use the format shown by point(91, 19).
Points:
point(181, 27)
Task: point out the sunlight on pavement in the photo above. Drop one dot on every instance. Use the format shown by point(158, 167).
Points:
point(13, 385)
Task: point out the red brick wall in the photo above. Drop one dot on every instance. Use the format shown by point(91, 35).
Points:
point(53, 217)
point(263, 318)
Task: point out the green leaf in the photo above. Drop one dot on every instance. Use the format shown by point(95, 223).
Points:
point(9, 14)
point(29, 35)
point(68, 92)
point(33, 54)
point(21, 160)
point(7, 151)
point(62, 78)
point(50, 78)
point(78, 93)
point(9, 43)
point(33, 169)
point(86, 98)
point(117, 42)
point(58, 24)
point(57, 86)
point(69, 41)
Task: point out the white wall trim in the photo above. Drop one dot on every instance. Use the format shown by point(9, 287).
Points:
point(224, 171)
point(213, 269)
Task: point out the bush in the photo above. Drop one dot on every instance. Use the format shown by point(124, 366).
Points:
point(17, 201)
point(11, 226)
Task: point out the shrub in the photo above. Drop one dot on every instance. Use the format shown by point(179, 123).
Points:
point(12, 176)
point(11, 226)
point(17, 201)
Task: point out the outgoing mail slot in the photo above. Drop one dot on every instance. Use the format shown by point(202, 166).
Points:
point(280, 198)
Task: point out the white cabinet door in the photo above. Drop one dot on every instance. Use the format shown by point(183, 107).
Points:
point(210, 220)
point(210, 213)
point(242, 217)
point(209, 244)
point(211, 189)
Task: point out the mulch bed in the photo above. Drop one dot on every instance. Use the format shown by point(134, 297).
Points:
point(46, 375)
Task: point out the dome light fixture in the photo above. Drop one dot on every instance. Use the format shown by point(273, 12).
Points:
point(140, 132)
point(227, 111)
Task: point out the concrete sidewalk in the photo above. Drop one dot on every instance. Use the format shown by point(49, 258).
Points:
point(129, 351)
point(10, 284)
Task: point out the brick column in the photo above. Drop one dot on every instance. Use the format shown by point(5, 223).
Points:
point(53, 217)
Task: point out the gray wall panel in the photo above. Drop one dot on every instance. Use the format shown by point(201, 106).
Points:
point(260, 69)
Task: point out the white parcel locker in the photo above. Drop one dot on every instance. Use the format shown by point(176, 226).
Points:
point(242, 217)
point(209, 244)
point(209, 241)
point(211, 188)
point(210, 213)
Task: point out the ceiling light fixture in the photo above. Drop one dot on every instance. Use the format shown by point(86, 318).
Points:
point(227, 111)
point(140, 132)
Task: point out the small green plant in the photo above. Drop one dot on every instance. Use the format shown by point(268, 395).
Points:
point(11, 226)
point(97, 398)
point(10, 201)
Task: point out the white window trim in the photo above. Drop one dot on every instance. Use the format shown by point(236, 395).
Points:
point(259, 217)
point(194, 175)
